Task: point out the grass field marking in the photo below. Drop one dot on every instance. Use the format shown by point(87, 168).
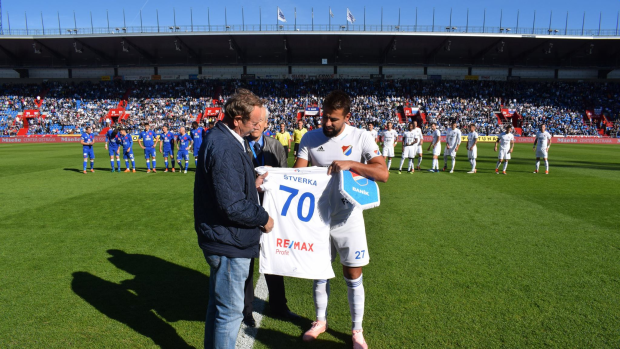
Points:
point(247, 335)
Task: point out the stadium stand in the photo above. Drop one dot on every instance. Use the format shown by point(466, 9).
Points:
point(568, 108)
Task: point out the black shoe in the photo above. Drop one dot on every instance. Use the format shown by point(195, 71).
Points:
point(286, 315)
point(249, 321)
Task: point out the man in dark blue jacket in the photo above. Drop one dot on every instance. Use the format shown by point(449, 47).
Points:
point(227, 215)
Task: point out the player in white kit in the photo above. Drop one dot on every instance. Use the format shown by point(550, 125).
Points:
point(472, 147)
point(419, 148)
point(410, 145)
point(541, 144)
point(453, 141)
point(506, 142)
point(390, 139)
point(373, 132)
point(343, 147)
point(436, 146)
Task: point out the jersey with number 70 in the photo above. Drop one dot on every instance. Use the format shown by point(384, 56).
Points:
point(298, 200)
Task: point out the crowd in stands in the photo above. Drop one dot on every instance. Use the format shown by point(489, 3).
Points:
point(69, 107)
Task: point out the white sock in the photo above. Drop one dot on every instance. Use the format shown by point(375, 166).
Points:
point(547, 164)
point(321, 296)
point(355, 293)
point(453, 162)
point(497, 166)
point(435, 163)
point(410, 165)
point(402, 161)
point(537, 164)
point(473, 164)
point(389, 164)
point(505, 165)
point(419, 161)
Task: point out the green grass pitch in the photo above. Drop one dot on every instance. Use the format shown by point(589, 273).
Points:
point(457, 260)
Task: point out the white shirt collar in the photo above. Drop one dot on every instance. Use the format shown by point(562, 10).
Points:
point(237, 136)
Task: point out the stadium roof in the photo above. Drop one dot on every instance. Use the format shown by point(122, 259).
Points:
point(297, 47)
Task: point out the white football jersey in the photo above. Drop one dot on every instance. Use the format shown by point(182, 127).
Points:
point(543, 140)
point(374, 134)
point(471, 139)
point(418, 135)
point(437, 137)
point(505, 139)
point(409, 137)
point(389, 137)
point(352, 144)
point(298, 200)
point(453, 138)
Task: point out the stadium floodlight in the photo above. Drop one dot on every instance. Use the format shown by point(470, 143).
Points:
point(171, 28)
point(36, 49)
point(177, 28)
point(69, 31)
point(125, 30)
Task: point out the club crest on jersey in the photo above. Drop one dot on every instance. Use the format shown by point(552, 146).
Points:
point(377, 152)
point(347, 150)
point(359, 179)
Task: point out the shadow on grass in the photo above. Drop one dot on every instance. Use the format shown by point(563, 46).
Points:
point(171, 291)
point(275, 339)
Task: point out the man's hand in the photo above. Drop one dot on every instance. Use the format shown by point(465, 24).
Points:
point(260, 180)
point(510, 150)
point(268, 227)
point(338, 166)
point(141, 146)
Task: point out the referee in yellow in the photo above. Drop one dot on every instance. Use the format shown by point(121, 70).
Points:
point(297, 134)
point(284, 138)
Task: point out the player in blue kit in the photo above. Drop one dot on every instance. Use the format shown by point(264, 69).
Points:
point(197, 134)
point(150, 141)
point(112, 146)
point(127, 143)
point(184, 143)
point(166, 144)
point(87, 141)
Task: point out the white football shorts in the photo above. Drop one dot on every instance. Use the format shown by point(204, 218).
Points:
point(349, 241)
point(388, 152)
point(409, 152)
point(437, 150)
point(449, 152)
point(504, 154)
point(473, 153)
point(542, 153)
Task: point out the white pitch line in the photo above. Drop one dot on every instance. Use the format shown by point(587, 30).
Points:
point(247, 335)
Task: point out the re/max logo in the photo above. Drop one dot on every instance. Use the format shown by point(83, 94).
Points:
point(294, 245)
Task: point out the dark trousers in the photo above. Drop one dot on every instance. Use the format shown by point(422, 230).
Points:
point(277, 296)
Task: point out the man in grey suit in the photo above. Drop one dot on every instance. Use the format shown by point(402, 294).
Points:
point(266, 151)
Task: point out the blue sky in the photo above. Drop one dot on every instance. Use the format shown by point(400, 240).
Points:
point(82, 8)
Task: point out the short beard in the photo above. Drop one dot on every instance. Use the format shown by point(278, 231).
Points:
point(330, 134)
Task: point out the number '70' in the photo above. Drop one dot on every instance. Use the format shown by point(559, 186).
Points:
point(293, 192)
